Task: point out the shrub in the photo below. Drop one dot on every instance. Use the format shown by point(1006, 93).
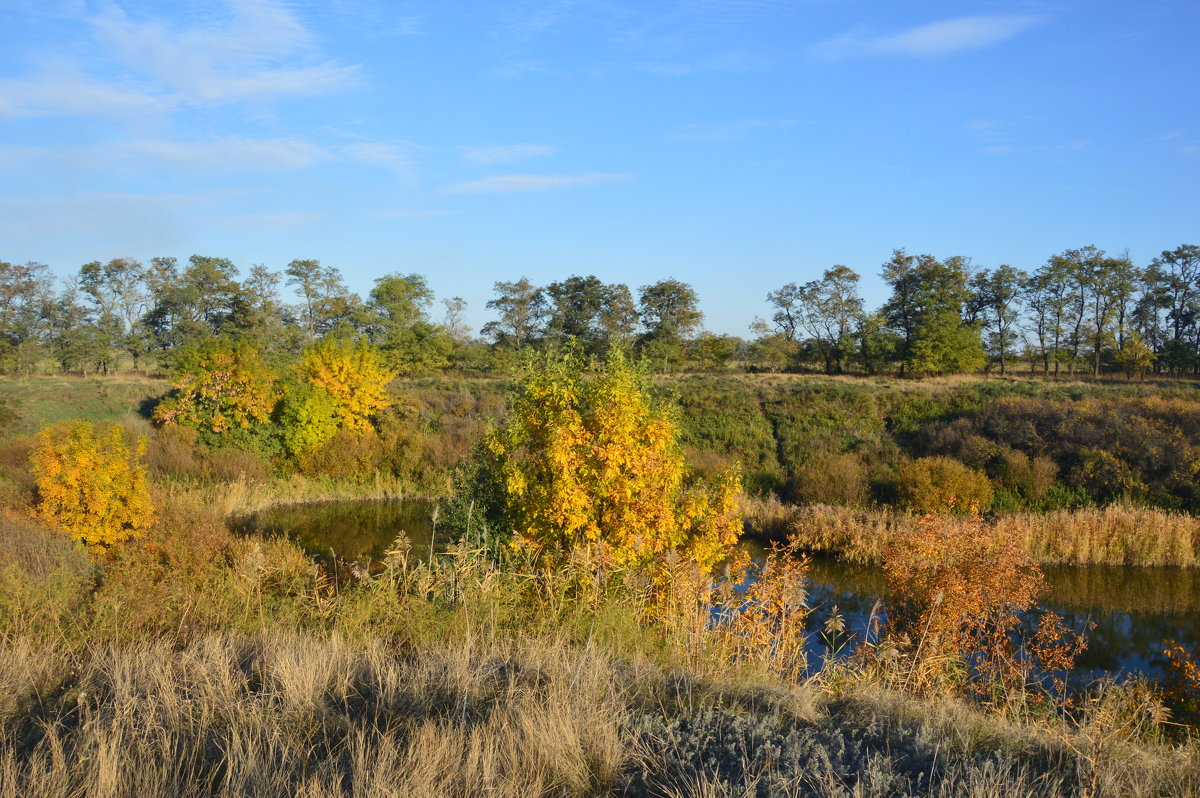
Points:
point(92, 486)
point(220, 387)
point(956, 592)
point(172, 451)
point(596, 463)
point(44, 577)
point(307, 417)
point(1106, 477)
point(351, 374)
point(349, 456)
point(939, 484)
point(833, 479)
point(1031, 477)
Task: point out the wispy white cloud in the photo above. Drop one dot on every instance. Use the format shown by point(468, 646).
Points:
point(433, 213)
point(398, 157)
point(223, 154)
point(507, 153)
point(934, 39)
point(509, 184)
point(259, 51)
point(731, 61)
point(284, 220)
point(230, 153)
point(1001, 138)
point(725, 131)
point(58, 87)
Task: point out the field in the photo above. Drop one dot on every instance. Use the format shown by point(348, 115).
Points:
point(193, 661)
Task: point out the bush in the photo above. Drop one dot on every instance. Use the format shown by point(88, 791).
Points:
point(347, 456)
point(939, 484)
point(833, 479)
point(219, 387)
point(956, 592)
point(93, 487)
point(44, 577)
point(307, 418)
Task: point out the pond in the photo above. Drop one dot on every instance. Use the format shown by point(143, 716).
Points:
point(1134, 609)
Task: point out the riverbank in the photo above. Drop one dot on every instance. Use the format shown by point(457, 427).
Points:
point(194, 662)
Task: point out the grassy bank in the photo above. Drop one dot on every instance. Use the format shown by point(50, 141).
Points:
point(285, 714)
point(1112, 535)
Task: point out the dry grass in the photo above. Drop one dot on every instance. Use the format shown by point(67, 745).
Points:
point(244, 496)
point(281, 715)
point(311, 715)
point(1113, 535)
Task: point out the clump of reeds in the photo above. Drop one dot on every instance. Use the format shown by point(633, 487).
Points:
point(1112, 535)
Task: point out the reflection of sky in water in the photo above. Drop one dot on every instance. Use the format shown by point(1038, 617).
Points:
point(1134, 609)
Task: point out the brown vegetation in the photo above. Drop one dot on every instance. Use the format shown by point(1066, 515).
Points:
point(1113, 535)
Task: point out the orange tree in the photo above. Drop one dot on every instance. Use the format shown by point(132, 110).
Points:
point(351, 374)
point(221, 386)
point(592, 462)
point(92, 486)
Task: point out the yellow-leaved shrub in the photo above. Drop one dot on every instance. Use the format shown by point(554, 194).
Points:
point(353, 376)
point(595, 462)
point(92, 485)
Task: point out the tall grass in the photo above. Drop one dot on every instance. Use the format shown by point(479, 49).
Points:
point(1113, 535)
point(285, 714)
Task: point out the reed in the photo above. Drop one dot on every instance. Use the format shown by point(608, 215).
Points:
point(1112, 535)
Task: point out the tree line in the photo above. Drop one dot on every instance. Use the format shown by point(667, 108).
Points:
point(1083, 311)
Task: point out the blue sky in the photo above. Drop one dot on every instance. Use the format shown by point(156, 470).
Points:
point(734, 144)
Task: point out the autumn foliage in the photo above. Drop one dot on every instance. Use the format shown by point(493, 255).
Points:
point(956, 594)
point(594, 462)
point(92, 485)
point(221, 386)
point(351, 374)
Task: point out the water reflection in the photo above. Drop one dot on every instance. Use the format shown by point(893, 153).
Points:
point(360, 531)
point(1134, 609)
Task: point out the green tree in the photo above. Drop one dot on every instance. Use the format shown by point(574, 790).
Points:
point(997, 295)
point(396, 319)
point(670, 316)
point(827, 310)
point(118, 289)
point(194, 304)
point(522, 308)
point(25, 291)
point(327, 305)
point(926, 311)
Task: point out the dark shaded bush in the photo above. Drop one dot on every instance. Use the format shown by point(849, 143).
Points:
point(727, 751)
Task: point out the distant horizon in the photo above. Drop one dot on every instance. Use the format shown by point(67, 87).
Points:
point(736, 147)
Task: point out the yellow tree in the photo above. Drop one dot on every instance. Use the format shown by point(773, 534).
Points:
point(92, 486)
point(220, 386)
point(351, 373)
point(596, 461)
